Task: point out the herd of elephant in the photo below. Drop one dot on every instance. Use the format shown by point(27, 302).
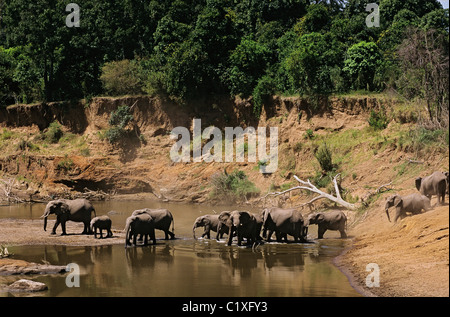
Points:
point(434, 184)
point(237, 223)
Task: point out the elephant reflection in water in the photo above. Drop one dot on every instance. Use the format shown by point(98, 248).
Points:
point(145, 258)
point(273, 256)
point(244, 261)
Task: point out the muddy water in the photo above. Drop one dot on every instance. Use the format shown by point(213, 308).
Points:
point(188, 267)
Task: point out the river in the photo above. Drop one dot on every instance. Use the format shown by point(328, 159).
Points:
point(186, 267)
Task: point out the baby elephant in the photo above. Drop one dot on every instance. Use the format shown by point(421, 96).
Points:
point(210, 222)
point(333, 220)
point(101, 223)
point(413, 203)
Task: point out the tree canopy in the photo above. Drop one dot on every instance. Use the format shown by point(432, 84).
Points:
point(190, 48)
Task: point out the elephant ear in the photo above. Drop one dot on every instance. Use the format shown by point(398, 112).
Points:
point(63, 207)
point(206, 220)
point(224, 216)
point(320, 217)
point(245, 216)
point(418, 183)
point(398, 201)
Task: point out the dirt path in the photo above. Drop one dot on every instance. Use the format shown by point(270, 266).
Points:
point(412, 255)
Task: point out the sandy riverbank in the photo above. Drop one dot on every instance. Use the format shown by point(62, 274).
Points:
point(412, 255)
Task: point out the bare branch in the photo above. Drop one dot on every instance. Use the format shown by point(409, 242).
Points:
point(310, 187)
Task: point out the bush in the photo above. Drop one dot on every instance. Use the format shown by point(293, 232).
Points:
point(234, 187)
point(54, 132)
point(121, 78)
point(118, 121)
point(263, 90)
point(324, 157)
point(378, 120)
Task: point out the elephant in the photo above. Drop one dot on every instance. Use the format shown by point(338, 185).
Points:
point(413, 203)
point(142, 224)
point(101, 223)
point(284, 222)
point(162, 219)
point(78, 210)
point(332, 220)
point(210, 222)
point(245, 225)
point(434, 184)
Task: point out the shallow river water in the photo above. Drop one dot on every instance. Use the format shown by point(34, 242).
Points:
point(187, 267)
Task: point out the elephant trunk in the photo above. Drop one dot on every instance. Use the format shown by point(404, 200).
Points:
point(127, 231)
point(45, 215)
point(193, 231)
point(387, 213)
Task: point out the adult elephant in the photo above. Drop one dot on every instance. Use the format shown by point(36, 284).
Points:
point(284, 222)
point(162, 219)
point(210, 222)
point(78, 210)
point(434, 184)
point(332, 220)
point(243, 223)
point(413, 203)
point(140, 224)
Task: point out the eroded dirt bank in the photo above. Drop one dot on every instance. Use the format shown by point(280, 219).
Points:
point(412, 255)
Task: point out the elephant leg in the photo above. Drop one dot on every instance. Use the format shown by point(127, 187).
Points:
point(153, 236)
point(145, 239)
point(269, 235)
point(230, 236)
point(109, 234)
point(63, 227)
point(398, 214)
point(134, 238)
point(321, 232)
point(101, 233)
point(279, 236)
point(56, 225)
point(95, 233)
point(239, 235)
point(167, 233)
point(343, 234)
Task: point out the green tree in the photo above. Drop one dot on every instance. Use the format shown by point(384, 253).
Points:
point(390, 8)
point(310, 61)
point(361, 64)
point(248, 62)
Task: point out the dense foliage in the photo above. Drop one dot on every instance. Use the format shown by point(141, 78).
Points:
point(191, 48)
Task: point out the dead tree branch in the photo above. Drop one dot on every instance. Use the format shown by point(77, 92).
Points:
point(310, 187)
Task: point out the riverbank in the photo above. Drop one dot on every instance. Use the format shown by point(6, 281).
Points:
point(412, 254)
point(31, 232)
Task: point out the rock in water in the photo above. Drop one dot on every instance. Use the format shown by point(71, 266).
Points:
point(24, 285)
